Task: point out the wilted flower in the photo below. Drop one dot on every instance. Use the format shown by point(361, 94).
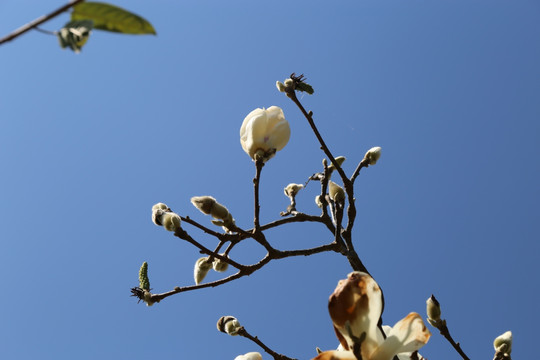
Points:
point(355, 308)
point(229, 325)
point(202, 266)
point(249, 356)
point(372, 155)
point(263, 132)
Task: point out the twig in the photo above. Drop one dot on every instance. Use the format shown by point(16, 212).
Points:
point(324, 148)
point(243, 332)
point(258, 165)
point(31, 25)
point(182, 234)
point(443, 329)
point(247, 270)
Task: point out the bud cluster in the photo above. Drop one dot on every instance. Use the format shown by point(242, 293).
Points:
point(162, 215)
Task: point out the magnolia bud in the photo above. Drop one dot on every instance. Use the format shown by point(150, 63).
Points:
point(171, 221)
point(336, 192)
point(433, 310)
point(219, 211)
point(280, 86)
point(372, 155)
point(202, 266)
point(292, 189)
point(229, 325)
point(340, 160)
point(157, 211)
point(249, 356)
point(203, 203)
point(220, 265)
point(318, 201)
point(503, 343)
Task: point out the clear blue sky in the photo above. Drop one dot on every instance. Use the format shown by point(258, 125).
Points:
point(88, 143)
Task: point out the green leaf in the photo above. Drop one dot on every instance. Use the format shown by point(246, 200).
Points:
point(112, 18)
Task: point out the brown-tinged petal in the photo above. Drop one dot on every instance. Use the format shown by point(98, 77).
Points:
point(355, 308)
point(409, 334)
point(335, 355)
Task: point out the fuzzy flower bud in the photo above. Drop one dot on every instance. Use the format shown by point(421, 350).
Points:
point(228, 325)
point(202, 266)
point(163, 216)
point(264, 132)
point(292, 189)
point(318, 201)
point(433, 310)
point(336, 192)
point(220, 265)
point(249, 356)
point(503, 343)
point(203, 203)
point(280, 86)
point(170, 221)
point(372, 155)
point(340, 160)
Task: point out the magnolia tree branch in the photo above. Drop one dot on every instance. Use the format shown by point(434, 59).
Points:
point(246, 270)
point(256, 181)
point(443, 329)
point(33, 24)
point(243, 332)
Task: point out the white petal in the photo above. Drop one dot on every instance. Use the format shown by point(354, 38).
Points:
point(408, 335)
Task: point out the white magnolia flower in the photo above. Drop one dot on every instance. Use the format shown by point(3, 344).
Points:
point(292, 189)
point(355, 308)
point(249, 356)
point(263, 132)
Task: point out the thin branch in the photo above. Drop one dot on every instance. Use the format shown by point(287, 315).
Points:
point(247, 270)
point(182, 234)
point(300, 217)
point(258, 165)
point(33, 24)
point(243, 332)
point(324, 148)
point(361, 165)
point(443, 329)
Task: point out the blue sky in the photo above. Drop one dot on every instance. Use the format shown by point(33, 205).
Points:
point(88, 143)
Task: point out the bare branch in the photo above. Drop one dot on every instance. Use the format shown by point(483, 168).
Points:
point(243, 332)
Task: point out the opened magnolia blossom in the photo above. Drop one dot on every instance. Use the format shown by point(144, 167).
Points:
point(355, 308)
point(263, 132)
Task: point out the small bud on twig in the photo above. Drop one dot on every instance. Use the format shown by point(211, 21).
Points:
point(336, 192)
point(229, 325)
point(372, 155)
point(202, 266)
